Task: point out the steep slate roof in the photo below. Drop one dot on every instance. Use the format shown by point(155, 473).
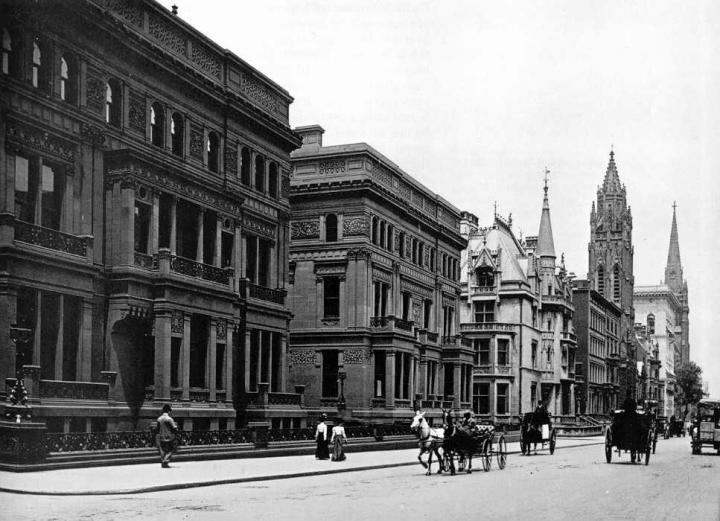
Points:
point(545, 242)
point(611, 182)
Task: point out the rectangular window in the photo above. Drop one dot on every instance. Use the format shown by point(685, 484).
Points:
point(175, 346)
point(406, 305)
point(330, 373)
point(199, 330)
point(379, 374)
point(481, 398)
point(502, 351)
point(51, 195)
point(210, 223)
point(485, 311)
point(25, 187)
point(165, 221)
point(226, 249)
point(72, 308)
point(502, 398)
point(331, 297)
point(264, 247)
point(482, 347)
point(534, 353)
point(142, 227)
point(251, 259)
point(427, 313)
point(49, 329)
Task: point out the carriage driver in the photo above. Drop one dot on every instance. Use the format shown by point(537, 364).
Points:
point(468, 422)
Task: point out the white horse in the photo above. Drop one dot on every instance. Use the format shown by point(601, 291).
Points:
point(431, 439)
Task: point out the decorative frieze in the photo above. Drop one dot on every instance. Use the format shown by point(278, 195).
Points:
point(95, 93)
point(259, 227)
point(231, 158)
point(177, 322)
point(303, 357)
point(381, 275)
point(332, 166)
point(206, 60)
point(127, 10)
point(39, 141)
point(305, 230)
point(416, 289)
point(137, 113)
point(257, 92)
point(356, 225)
point(92, 134)
point(357, 356)
point(169, 37)
point(196, 141)
point(324, 270)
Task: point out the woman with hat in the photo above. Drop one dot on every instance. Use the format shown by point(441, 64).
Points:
point(338, 441)
point(321, 452)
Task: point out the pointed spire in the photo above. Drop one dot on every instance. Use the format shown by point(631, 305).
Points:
point(545, 243)
point(673, 269)
point(612, 179)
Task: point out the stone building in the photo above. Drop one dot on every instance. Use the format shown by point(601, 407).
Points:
point(374, 268)
point(517, 311)
point(143, 219)
point(610, 267)
point(597, 366)
point(664, 312)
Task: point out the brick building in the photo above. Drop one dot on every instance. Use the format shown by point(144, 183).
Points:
point(143, 221)
point(374, 267)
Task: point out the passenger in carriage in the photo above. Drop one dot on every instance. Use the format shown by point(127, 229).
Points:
point(468, 423)
point(540, 416)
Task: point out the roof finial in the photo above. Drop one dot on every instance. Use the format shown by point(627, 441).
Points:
point(674, 206)
point(174, 9)
point(546, 180)
point(495, 210)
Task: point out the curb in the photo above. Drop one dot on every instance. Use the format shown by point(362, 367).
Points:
point(230, 481)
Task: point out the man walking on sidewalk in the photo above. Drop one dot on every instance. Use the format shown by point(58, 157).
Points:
point(166, 436)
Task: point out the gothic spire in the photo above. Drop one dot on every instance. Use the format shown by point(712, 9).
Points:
point(545, 243)
point(612, 179)
point(673, 269)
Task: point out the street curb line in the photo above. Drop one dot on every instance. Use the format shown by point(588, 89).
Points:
point(230, 481)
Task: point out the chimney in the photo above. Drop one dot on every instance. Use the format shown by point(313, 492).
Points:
point(311, 135)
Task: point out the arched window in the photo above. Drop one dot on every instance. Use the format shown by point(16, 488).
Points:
point(245, 166)
point(444, 264)
point(600, 280)
point(389, 244)
point(273, 180)
point(112, 102)
point(331, 228)
point(6, 51)
point(259, 174)
point(414, 251)
point(651, 324)
point(177, 136)
point(213, 151)
point(616, 283)
point(36, 63)
point(485, 277)
point(401, 241)
point(421, 254)
point(157, 124)
point(382, 234)
point(432, 259)
point(374, 230)
point(68, 80)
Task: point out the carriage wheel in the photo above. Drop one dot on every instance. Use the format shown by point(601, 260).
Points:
point(501, 452)
point(485, 456)
point(552, 442)
point(608, 447)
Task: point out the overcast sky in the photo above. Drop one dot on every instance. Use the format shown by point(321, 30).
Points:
point(474, 98)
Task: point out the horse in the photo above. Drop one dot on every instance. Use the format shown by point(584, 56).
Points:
point(458, 441)
point(431, 439)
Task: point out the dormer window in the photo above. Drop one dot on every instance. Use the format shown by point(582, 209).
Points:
point(485, 277)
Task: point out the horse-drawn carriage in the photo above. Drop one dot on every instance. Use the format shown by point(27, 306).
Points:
point(630, 431)
point(706, 427)
point(458, 442)
point(536, 427)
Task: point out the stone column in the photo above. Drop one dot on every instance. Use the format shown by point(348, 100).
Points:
point(229, 345)
point(84, 360)
point(456, 384)
point(211, 361)
point(59, 344)
point(389, 379)
point(237, 258)
point(154, 244)
point(173, 226)
point(127, 229)
point(283, 362)
point(218, 243)
point(245, 347)
point(422, 387)
point(163, 350)
point(199, 255)
point(185, 353)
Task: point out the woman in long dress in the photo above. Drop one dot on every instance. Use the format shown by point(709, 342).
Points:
point(338, 440)
point(321, 451)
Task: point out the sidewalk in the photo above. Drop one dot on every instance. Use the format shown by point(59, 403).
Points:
point(137, 479)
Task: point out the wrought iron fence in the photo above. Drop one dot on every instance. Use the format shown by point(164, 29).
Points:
point(53, 239)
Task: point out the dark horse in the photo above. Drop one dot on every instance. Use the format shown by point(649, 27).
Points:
point(460, 442)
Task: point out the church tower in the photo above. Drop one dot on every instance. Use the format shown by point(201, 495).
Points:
point(610, 266)
point(677, 284)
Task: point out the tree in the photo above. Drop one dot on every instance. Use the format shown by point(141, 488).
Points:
point(689, 383)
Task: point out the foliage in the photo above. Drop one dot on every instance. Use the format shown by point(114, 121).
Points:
point(689, 383)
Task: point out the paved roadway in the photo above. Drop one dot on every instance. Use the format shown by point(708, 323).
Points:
point(574, 483)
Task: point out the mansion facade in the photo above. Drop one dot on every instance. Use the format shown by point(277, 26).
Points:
point(144, 220)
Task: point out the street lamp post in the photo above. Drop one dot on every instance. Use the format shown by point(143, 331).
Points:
point(341, 401)
point(18, 407)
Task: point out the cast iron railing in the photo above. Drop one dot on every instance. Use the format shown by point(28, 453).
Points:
point(49, 238)
point(198, 269)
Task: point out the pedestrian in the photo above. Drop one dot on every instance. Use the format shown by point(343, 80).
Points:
point(166, 437)
point(322, 452)
point(338, 440)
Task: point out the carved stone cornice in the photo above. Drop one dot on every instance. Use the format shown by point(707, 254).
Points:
point(92, 134)
point(30, 138)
